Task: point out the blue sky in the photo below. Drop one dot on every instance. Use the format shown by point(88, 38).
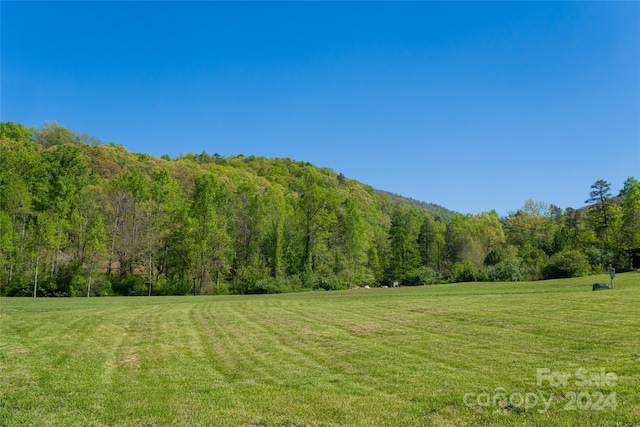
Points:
point(472, 105)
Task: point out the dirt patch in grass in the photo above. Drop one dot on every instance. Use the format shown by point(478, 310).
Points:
point(364, 328)
point(129, 358)
point(287, 425)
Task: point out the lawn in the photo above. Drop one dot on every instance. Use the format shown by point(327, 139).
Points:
point(538, 353)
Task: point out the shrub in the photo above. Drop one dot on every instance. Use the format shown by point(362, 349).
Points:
point(66, 282)
point(534, 259)
point(327, 281)
point(464, 272)
point(245, 281)
point(600, 259)
point(21, 286)
point(564, 264)
point(101, 287)
point(509, 270)
point(423, 276)
point(130, 284)
point(499, 255)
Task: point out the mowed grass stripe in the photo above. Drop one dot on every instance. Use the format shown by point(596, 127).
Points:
point(327, 373)
point(328, 362)
point(327, 366)
point(311, 388)
point(434, 337)
point(163, 373)
point(417, 363)
point(58, 386)
point(368, 357)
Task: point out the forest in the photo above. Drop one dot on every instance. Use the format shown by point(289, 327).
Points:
point(83, 218)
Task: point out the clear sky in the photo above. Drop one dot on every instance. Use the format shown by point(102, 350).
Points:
point(472, 105)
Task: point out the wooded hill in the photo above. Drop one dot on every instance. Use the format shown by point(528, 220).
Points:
point(78, 218)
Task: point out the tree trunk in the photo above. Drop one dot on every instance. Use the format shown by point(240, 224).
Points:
point(150, 272)
point(35, 281)
point(308, 259)
point(202, 275)
point(113, 245)
point(164, 264)
point(90, 276)
point(10, 273)
point(54, 267)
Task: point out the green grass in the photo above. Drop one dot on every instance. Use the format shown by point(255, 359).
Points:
point(368, 357)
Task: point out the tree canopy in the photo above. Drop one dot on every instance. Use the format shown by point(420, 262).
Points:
point(82, 218)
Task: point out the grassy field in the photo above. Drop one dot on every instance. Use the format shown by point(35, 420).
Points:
point(460, 354)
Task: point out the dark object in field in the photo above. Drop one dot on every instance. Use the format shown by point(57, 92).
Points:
point(634, 258)
point(597, 286)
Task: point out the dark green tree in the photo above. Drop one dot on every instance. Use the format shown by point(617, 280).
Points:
point(316, 210)
point(403, 236)
point(432, 242)
point(600, 198)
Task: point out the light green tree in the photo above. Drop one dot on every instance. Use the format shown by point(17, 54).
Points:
point(212, 243)
point(43, 239)
point(630, 196)
point(95, 244)
point(470, 238)
point(353, 242)
point(276, 212)
point(7, 249)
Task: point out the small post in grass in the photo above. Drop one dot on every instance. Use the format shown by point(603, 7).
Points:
point(612, 273)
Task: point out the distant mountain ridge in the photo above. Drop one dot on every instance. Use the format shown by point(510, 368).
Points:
point(435, 210)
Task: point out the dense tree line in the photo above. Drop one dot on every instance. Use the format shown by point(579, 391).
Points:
point(81, 218)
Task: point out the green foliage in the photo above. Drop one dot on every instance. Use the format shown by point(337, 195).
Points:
point(432, 242)
point(436, 211)
point(81, 218)
point(599, 258)
point(464, 272)
point(630, 195)
point(571, 263)
point(130, 285)
point(313, 281)
point(70, 281)
point(316, 212)
point(353, 241)
point(532, 225)
point(499, 254)
point(423, 276)
point(53, 134)
point(600, 197)
point(212, 245)
point(512, 269)
point(269, 285)
point(7, 249)
point(405, 252)
point(16, 132)
point(472, 238)
point(534, 260)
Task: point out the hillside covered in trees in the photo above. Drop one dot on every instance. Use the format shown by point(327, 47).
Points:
point(79, 218)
